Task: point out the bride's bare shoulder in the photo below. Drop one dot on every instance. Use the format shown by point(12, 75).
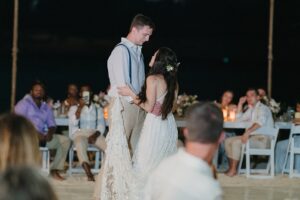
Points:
point(152, 78)
point(156, 77)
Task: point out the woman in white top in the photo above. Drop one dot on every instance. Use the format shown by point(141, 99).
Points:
point(159, 133)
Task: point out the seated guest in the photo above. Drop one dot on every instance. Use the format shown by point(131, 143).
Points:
point(87, 126)
point(264, 98)
point(227, 107)
point(19, 144)
point(226, 101)
point(187, 174)
point(262, 93)
point(258, 115)
point(72, 97)
point(25, 183)
point(282, 148)
point(40, 114)
point(104, 95)
point(297, 114)
point(50, 102)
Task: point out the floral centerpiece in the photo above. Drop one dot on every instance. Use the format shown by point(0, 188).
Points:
point(101, 99)
point(183, 102)
point(272, 104)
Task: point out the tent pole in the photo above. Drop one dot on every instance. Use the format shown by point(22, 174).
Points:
point(270, 48)
point(14, 55)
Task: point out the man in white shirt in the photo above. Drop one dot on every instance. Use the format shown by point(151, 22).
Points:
point(258, 115)
point(86, 126)
point(188, 174)
point(126, 67)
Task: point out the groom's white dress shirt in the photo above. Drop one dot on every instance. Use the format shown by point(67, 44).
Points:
point(182, 177)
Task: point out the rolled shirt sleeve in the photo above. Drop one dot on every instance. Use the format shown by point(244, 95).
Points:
point(73, 121)
point(21, 108)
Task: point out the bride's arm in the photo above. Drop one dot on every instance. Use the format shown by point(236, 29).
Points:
point(175, 99)
point(150, 93)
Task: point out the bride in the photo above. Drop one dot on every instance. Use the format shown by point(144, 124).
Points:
point(158, 138)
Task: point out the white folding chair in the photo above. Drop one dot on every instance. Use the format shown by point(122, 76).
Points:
point(45, 159)
point(249, 151)
point(215, 159)
point(292, 150)
point(79, 169)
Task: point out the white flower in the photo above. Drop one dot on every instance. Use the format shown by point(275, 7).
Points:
point(184, 101)
point(273, 105)
point(169, 68)
point(96, 98)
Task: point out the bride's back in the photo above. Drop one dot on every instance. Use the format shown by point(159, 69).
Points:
point(161, 87)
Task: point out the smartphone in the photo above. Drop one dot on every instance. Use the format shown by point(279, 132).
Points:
point(86, 97)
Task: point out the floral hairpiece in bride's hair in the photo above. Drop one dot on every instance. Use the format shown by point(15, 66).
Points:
point(169, 68)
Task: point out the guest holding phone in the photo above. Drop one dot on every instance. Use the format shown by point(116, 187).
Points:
point(86, 126)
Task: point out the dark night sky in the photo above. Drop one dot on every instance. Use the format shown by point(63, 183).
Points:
point(221, 44)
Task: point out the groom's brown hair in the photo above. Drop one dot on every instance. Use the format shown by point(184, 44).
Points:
point(141, 20)
point(204, 122)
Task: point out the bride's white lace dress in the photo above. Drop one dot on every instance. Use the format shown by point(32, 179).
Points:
point(117, 180)
point(158, 140)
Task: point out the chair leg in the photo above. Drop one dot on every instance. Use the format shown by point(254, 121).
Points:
point(215, 159)
point(44, 160)
point(71, 158)
point(286, 157)
point(272, 160)
point(48, 162)
point(97, 160)
point(241, 159)
point(292, 159)
point(248, 164)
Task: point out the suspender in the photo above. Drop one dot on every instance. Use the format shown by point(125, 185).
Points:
point(96, 119)
point(129, 60)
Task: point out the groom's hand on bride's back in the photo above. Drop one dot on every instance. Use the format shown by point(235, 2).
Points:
point(156, 109)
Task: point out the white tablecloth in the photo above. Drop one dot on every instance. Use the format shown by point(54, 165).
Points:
point(63, 121)
point(239, 125)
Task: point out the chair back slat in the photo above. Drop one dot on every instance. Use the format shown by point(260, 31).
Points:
point(269, 131)
point(295, 129)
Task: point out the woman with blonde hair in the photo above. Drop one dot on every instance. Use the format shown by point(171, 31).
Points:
point(19, 144)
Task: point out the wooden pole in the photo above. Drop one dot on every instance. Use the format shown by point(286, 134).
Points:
point(270, 48)
point(14, 55)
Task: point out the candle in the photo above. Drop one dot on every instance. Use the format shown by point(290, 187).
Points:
point(231, 115)
point(105, 112)
point(225, 114)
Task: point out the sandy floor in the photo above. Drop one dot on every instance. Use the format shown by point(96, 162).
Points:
point(239, 187)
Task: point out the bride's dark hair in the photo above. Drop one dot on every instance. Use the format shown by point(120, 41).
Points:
point(165, 64)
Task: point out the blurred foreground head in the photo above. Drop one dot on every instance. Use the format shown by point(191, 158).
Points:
point(18, 142)
point(25, 183)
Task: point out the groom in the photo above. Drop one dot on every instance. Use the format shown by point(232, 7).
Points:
point(126, 67)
